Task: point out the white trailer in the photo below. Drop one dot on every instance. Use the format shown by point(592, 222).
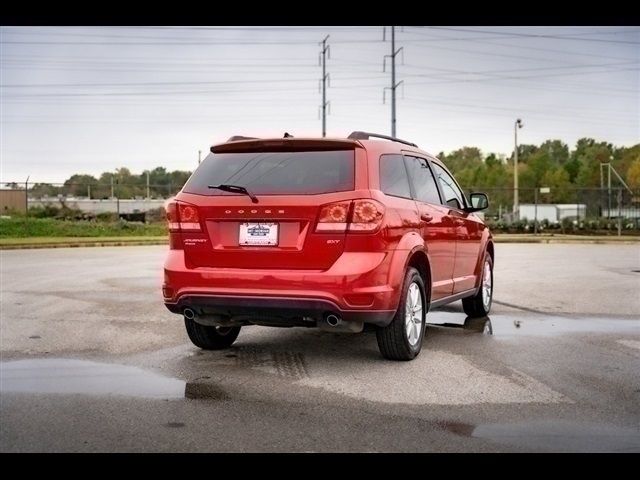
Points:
point(553, 213)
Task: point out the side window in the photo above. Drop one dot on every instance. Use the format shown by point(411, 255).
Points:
point(393, 176)
point(453, 196)
point(424, 184)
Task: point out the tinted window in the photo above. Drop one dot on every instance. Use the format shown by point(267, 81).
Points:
point(275, 172)
point(453, 196)
point(393, 176)
point(424, 184)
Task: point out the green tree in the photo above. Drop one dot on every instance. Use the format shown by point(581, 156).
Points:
point(633, 174)
point(524, 153)
point(463, 158)
point(627, 156)
point(39, 190)
point(556, 150)
point(178, 179)
point(557, 179)
point(539, 163)
point(591, 154)
point(572, 167)
point(76, 185)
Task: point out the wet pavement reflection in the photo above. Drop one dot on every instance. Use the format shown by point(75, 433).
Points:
point(69, 376)
point(511, 325)
point(562, 435)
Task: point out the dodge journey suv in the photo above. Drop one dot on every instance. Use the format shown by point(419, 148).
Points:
point(348, 234)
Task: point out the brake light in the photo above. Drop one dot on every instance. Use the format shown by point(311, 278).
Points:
point(182, 217)
point(333, 217)
point(188, 217)
point(172, 216)
point(363, 215)
point(367, 216)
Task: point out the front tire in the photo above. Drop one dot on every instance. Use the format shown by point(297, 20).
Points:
point(209, 337)
point(480, 305)
point(402, 338)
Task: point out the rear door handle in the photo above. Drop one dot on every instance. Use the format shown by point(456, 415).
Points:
point(426, 217)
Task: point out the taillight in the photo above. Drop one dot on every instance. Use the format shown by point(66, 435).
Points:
point(356, 216)
point(367, 216)
point(172, 216)
point(188, 217)
point(333, 217)
point(182, 217)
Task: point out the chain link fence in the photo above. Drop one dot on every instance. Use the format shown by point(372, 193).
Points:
point(86, 200)
point(572, 209)
point(617, 208)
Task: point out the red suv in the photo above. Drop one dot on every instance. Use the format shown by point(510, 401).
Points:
point(361, 233)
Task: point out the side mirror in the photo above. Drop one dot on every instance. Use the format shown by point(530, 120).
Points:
point(479, 201)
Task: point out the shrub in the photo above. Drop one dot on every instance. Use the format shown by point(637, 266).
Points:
point(45, 211)
point(107, 217)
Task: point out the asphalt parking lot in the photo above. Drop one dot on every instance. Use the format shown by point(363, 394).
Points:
point(92, 361)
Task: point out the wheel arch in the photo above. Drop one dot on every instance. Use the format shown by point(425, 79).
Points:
point(411, 251)
point(491, 251)
point(419, 260)
point(488, 248)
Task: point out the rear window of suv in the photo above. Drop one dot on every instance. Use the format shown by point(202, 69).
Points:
point(276, 173)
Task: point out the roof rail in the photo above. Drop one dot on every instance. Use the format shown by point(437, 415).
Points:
point(236, 138)
point(367, 135)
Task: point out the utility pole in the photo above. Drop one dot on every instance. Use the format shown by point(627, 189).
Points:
point(394, 85)
point(619, 211)
point(118, 200)
point(609, 190)
point(516, 206)
point(112, 195)
point(535, 210)
point(148, 195)
point(26, 196)
point(610, 168)
point(199, 156)
point(325, 76)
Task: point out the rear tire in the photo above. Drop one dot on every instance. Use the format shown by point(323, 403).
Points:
point(480, 305)
point(402, 338)
point(209, 337)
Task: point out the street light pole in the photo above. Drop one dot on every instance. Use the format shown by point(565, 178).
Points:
point(516, 206)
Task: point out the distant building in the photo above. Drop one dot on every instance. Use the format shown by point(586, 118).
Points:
point(553, 213)
point(100, 205)
point(12, 200)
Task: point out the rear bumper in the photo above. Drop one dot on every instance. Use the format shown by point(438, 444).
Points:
point(358, 287)
point(293, 311)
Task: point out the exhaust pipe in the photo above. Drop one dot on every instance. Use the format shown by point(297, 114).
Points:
point(210, 320)
point(333, 320)
point(335, 323)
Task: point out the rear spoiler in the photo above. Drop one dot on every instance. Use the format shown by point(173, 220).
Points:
point(285, 144)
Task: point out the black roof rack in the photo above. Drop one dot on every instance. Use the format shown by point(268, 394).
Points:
point(236, 138)
point(367, 136)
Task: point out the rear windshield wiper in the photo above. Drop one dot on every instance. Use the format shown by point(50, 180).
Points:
point(236, 189)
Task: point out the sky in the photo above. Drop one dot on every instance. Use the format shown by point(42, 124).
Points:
point(93, 99)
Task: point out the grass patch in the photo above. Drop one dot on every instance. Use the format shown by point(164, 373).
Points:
point(79, 240)
point(48, 227)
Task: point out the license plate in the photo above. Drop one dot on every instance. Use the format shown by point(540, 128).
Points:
point(258, 234)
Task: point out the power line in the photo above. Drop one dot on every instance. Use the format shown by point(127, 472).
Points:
point(186, 43)
point(533, 35)
point(527, 77)
point(530, 69)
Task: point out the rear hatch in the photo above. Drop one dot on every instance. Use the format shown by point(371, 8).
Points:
point(279, 231)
